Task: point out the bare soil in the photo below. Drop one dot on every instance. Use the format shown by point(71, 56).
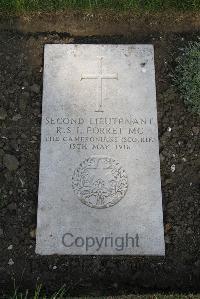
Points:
point(21, 62)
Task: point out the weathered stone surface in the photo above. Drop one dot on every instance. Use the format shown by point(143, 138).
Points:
point(99, 187)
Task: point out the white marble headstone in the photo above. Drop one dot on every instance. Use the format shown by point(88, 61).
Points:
point(99, 188)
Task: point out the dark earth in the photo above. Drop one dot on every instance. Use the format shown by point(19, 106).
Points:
point(22, 41)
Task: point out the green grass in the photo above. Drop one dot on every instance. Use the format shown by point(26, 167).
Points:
point(187, 76)
point(60, 295)
point(55, 5)
point(38, 294)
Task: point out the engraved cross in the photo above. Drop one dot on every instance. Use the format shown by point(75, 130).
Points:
point(100, 77)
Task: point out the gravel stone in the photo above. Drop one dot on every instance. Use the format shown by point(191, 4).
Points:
point(10, 262)
point(196, 130)
point(33, 233)
point(3, 114)
point(12, 207)
point(35, 88)
point(10, 162)
point(23, 101)
point(16, 117)
point(167, 240)
point(1, 232)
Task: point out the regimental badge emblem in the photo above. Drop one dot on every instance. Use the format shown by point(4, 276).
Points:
point(100, 182)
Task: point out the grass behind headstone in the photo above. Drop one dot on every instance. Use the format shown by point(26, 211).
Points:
point(187, 76)
point(54, 5)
